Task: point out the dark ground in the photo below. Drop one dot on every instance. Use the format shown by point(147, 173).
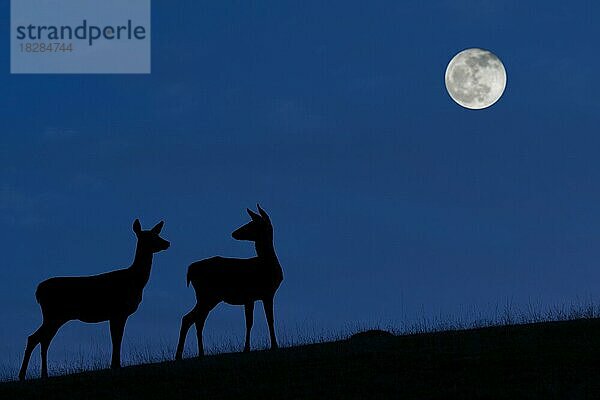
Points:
point(552, 360)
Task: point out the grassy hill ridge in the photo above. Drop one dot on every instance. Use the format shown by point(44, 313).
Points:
point(549, 360)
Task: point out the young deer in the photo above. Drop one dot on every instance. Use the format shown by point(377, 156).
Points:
point(236, 281)
point(112, 296)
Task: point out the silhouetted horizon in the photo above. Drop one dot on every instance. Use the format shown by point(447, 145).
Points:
point(391, 202)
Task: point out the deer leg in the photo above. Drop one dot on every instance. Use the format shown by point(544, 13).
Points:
point(200, 320)
point(46, 337)
point(32, 341)
point(117, 327)
point(186, 323)
point(268, 306)
point(249, 311)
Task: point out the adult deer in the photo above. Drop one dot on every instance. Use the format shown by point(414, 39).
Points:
point(112, 296)
point(236, 281)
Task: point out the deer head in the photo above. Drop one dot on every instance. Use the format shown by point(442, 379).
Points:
point(150, 240)
point(258, 229)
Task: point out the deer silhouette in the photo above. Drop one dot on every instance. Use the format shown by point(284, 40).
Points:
point(112, 296)
point(236, 281)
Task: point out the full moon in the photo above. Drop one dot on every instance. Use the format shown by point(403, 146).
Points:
point(475, 78)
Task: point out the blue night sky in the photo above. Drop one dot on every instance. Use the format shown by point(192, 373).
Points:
point(390, 202)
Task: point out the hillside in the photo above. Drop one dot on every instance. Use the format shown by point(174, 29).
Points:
point(553, 360)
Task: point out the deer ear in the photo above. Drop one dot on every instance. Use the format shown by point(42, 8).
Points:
point(263, 214)
point(137, 227)
point(253, 215)
point(158, 227)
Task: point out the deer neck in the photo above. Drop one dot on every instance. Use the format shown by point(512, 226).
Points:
point(142, 263)
point(266, 252)
point(265, 249)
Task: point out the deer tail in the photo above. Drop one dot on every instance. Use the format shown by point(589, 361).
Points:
point(195, 271)
point(37, 294)
point(40, 292)
point(189, 276)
